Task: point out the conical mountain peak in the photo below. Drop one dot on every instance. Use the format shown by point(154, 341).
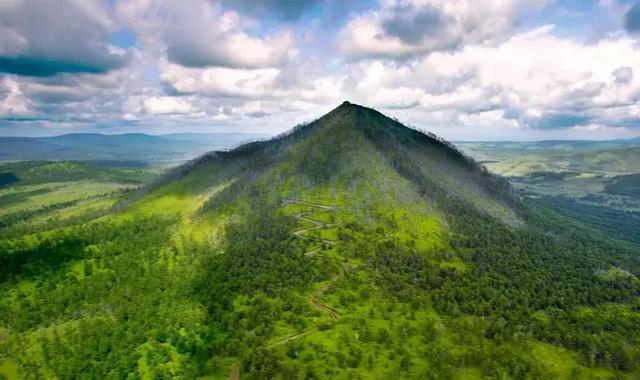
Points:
point(353, 146)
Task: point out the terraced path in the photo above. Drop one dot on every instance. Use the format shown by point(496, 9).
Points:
point(314, 301)
point(317, 225)
point(302, 234)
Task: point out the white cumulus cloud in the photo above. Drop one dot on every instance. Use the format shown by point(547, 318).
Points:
point(168, 105)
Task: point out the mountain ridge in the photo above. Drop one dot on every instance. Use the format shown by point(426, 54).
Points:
point(129, 146)
point(328, 150)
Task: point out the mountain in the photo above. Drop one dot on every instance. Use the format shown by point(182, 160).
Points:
point(129, 146)
point(350, 247)
point(354, 148)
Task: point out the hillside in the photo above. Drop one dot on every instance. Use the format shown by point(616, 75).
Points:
point(43, 195)
point(592, 181)
point(354, 147)
point(628, 185)
point(37, 172)
point(351, 247)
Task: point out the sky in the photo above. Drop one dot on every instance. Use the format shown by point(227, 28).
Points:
point(463, 69)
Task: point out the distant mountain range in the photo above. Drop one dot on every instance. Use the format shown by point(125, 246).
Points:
point(177, 147)
point(130, 146)
point(552, 145)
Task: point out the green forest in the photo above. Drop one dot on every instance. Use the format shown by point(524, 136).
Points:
point(349, 248)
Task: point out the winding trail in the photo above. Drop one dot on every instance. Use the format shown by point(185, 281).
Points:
point(302, 234)
point(235, 372)
point(314, 301)
point(317, 225)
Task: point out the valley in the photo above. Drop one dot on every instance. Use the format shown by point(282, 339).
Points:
point(593, 181)
point(163, 150)
point(588, 171)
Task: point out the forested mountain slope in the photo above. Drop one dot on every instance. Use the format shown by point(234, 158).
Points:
point(351, 247)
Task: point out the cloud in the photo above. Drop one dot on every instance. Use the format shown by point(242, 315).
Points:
point(457, 67)
point(46, 38)
point(79, 97)
point(167, 105)
point(251, 84)
point(255, 109)
point(533, 80)
point(12, 102)
point(406, 28)
point(200, 34)
point(200, 37)
point(632, 19)
point(228, 50)
point(289, 10)
point(231, 67)
point(220, 81)
point(623, 75)
point(413, 24)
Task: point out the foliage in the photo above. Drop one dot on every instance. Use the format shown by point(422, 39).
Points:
point(622, 225)
point(433, 269)
point(7, 178)
point(36, 172)
point(625, 185)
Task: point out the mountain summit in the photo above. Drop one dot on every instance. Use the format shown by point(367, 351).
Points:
point(352, 237)
point(357, 152)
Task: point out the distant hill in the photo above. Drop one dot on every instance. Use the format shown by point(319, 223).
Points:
point(230, 136)
point(130, 146)
point(522, 158)
point(625, 185)
point(37, 172)
point(552, 145)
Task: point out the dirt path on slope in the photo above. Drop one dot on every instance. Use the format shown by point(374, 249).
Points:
point(235, 372)
point(317, 225)
point(314, 301)
point(314, 298)
point(312, 204)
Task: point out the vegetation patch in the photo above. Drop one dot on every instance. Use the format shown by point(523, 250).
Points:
point(628, 185)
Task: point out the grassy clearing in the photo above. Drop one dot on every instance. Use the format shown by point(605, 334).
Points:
point(46, 195)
